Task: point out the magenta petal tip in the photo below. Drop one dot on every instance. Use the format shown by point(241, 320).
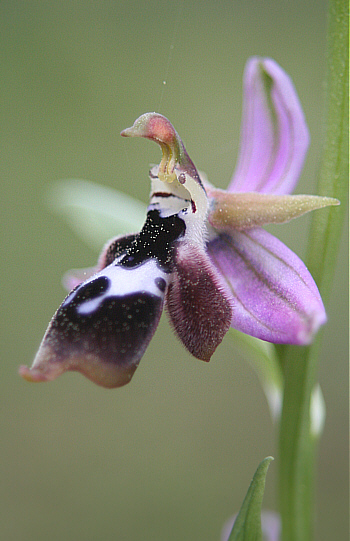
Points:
point(274, 134)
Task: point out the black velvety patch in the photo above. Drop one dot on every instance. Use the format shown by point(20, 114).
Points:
point(117, 331)
point(155, 240)
point(92, 290)
point(117, 248)
point(161, 284)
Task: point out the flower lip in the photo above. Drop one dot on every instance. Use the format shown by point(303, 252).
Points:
point(37, 376)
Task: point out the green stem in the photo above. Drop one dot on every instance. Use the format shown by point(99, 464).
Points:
point(297, 445)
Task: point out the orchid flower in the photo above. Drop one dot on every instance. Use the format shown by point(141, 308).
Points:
point(201, 252)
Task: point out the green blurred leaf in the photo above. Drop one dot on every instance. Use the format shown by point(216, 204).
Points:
point(95, 212)
point(264, 360)
point(247, 526)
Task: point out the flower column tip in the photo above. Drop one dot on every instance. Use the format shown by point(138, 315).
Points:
point(159, 129)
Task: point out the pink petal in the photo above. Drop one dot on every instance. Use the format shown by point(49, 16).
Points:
point(274, 134)
point(197, 302)
point(275, 297)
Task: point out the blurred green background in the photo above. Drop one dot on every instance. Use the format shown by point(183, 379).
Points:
point(170, 456)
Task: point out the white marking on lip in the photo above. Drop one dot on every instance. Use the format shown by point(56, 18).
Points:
point(126, 281)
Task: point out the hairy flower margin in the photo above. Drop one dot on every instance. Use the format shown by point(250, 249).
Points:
point(201, 252)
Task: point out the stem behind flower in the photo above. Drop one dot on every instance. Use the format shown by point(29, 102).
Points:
point(297, 445)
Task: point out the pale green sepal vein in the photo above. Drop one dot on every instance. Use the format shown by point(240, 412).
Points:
point(247, 526)
point(247, 210)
